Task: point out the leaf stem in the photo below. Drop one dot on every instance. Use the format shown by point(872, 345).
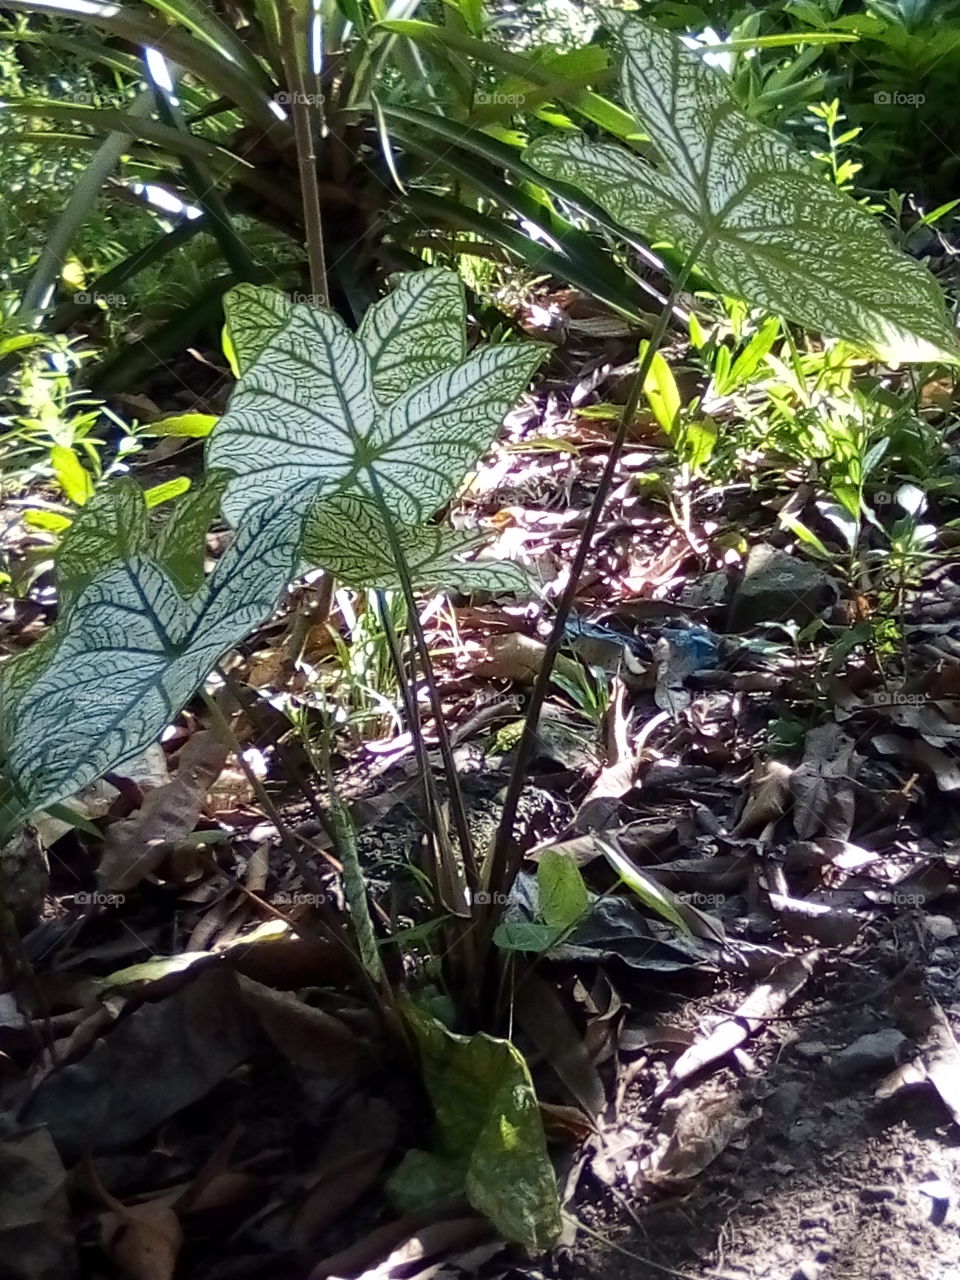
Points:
point(460, 823)
point(507, 856)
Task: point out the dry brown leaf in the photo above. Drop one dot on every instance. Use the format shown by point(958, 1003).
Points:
point(821, 784)
point(136, 846)
point(702, 1130)
point(916, 752)
point(541, 1013)
point(768, 797)
point(143, 1240)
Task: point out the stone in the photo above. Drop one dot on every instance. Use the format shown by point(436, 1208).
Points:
point(778, 587)
point(940, 927)
point(874, 1052)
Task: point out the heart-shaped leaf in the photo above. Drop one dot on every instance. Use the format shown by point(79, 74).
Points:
point(132, 650)
point(254, 314)
point(766, 225)
point(347, 536)
point(305, 411)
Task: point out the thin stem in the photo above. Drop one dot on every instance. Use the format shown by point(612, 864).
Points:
point(446, 751)
point(507, 857)
point(310, 877)
point(304, 107)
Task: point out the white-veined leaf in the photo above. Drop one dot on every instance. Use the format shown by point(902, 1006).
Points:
point(111, 527)
point(132, 651)
point(300, 412)
point(181, 544)
point(415, 331)
point(305, 411)
point(346, 535)
point(254, 313)
point(772, 229)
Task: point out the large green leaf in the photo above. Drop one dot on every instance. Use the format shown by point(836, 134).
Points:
point(770, 228)
point(415, 331)
point(111, 527)
point(305, 411)
point(132, 651)
point(347, 536)
point(491, 1139)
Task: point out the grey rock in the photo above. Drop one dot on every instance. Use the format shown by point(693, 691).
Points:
point(807, 1270)
point(778, 587)
point(875, 1052)
point(940, 927)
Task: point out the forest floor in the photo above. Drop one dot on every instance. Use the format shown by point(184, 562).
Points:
point(771, 1091)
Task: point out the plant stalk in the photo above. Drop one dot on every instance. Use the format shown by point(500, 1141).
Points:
point(507, 857)
point(304, 109)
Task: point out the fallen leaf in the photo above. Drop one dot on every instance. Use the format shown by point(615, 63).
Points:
point(136, 846)
point(702, 1130)
point(36, 1228)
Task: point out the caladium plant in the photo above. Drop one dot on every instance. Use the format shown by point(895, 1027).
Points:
point(394, 409)
point(130, 651)
point(329, 436)
point(763, 223)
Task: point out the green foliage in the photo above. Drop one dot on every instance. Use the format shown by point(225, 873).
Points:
point(562, 902)
point(490, 1144)
point(758, 218)
point(383, 424)
point(131, 650)
point(140, 627)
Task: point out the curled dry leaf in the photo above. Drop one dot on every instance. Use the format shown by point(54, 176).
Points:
point(702, 1130)
point(144, 1240)
point(136, 846)
point(768, 797)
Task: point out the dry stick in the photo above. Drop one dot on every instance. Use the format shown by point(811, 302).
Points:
point(507, 858)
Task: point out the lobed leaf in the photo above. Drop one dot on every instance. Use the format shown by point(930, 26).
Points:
point(132, 651)
point(346, 535)
point(765, 224)
point(415, 331)
point(305, 411)
point(111, 527)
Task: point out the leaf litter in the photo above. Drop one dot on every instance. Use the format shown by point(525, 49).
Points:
point(229, 1106)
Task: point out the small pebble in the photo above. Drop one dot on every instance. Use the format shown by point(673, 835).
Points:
point(940, 927)
point(810, 1049)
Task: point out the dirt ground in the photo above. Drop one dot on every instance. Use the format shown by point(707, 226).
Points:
point(828, 1180)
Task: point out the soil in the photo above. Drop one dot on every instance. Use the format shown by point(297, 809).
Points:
point(828, 1181)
